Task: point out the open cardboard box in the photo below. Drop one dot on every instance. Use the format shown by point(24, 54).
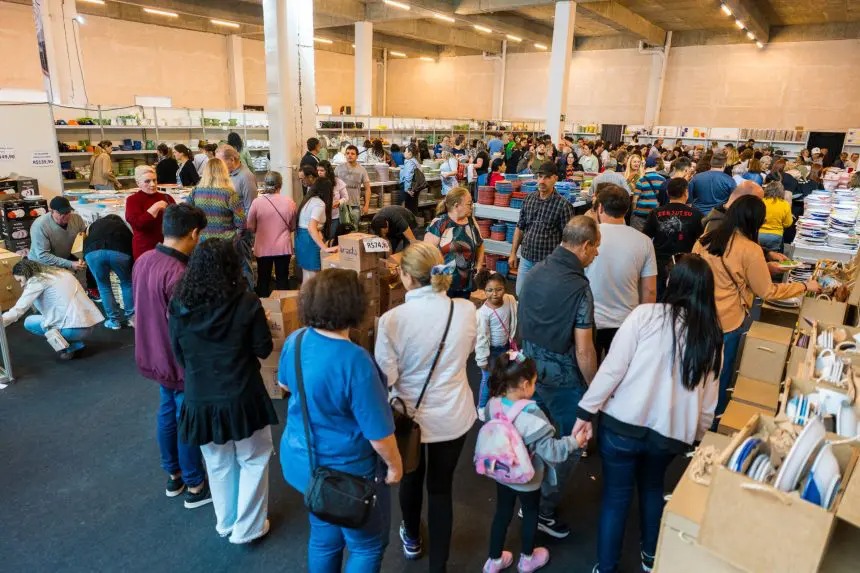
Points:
point(738, 413)
point(765, 351)
point(756, 393)
point(823, 310)
point(756, 527)
point(802, 386)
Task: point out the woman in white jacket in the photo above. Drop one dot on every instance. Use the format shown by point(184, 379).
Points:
point(60, 300)
point(656, 402)
point(408, 340)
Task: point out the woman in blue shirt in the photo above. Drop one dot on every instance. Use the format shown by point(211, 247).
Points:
point(350, 418)
point(407, 174)
point(396, 155)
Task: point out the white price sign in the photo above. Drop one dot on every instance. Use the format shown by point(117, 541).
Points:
point(375, 245)
point(7, 154)
point(43, 159)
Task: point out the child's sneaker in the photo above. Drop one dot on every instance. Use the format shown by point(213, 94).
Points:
point(411, 545)
point(500, 564)
point(533, 562)
point(647, 562)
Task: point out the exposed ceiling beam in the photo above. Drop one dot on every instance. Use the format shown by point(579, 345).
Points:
point(443, 35)
point(469, 7)
point(623, 19)
point(516, 26)
point(751, 16)
point(411, 48)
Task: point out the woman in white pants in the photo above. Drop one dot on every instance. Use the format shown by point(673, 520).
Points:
point(218, 330)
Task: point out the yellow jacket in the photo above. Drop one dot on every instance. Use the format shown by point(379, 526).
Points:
point(777, 217)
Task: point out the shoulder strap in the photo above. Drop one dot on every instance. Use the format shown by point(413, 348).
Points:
point(276, 211)
point(438, 353)
point(507, 330)
point(734, 282)
point(300, 383)
point(516, 409)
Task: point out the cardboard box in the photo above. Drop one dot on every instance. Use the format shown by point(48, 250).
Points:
point(283, 301)
point(281, 325)
point(360, 251)
point(273, 359)
point(764, 352)
point(831, 312)
point(364, 336)
point(270, 381)
point(758, 528)
point(10, 290)
point(737, 415)
point(26, 186)
point(756, 393)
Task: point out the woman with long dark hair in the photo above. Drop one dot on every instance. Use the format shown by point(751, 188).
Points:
point(740, 274)
point(312, 232)
point(339, 195)
point(218, 330)
point(654, 404)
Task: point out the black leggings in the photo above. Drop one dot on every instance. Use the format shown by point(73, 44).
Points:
point(409, 201)
point(264, 274)
point(506, 499)
point(438, 461)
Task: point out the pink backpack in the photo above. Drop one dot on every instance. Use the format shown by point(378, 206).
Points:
point(500, 452)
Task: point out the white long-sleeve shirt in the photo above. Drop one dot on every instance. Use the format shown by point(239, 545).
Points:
point(407, 339)
point(59, 298)
point(491, 332)
point(638, 384)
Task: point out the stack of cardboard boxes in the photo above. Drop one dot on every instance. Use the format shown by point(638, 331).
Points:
point(282, 314)
point(16, 218)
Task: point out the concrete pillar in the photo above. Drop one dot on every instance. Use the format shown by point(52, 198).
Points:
point(288, 27)
point(59, 51)
point(559, 68)
point(363, 68)
point(235, 72)
point(656, 81)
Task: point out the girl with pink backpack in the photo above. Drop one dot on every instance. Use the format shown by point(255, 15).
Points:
point(517, 447)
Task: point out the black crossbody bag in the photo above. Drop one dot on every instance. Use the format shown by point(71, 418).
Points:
point(334, 496)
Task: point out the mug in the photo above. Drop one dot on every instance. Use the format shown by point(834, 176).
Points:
point(846, 421)
point(824, 362)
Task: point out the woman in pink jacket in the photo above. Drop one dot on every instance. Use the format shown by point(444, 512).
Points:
point(273, 218)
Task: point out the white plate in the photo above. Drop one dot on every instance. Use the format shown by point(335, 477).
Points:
point(794, 462)
point(830, 495)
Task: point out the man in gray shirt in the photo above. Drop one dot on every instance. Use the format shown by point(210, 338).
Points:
point(243, 180)
point(53, 234)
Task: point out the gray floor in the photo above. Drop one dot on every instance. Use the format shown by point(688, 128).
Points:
point(81, 488)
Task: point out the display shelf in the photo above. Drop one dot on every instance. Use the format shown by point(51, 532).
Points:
point(501, 213)
point(497, 247)
point(812, 253)
point(258, 149)
point(88, 154)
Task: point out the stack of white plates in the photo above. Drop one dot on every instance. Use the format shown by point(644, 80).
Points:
point(812, 231)
point(801, 274)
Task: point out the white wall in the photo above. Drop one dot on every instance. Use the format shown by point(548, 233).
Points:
point(20, 68)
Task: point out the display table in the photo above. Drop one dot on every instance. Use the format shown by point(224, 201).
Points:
point(812, 253)
point(114, 203)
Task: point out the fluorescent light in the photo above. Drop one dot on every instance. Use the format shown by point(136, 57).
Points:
point(739, 24)
point(751, 36)
point(513, 38)
point(759, 44)
point(397, 54)
point(94, 1)
point(80, 19)
point(427, 59)
point(400, 5)
point(483, 29)
point(225, 23)
point(161, 13)
point(353, 45)
point(444, 18)
point(540, 46)
point(726, 10)
point(324, 40)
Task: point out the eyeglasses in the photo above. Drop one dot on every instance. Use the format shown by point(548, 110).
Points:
point(492, 290)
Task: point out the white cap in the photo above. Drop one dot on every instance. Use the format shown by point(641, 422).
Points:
point(815, 150)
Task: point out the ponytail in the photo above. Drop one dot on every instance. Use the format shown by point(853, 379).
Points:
point(509, 372)
point(452, 199)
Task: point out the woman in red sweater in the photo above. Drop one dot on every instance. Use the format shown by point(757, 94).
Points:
point(144, 211)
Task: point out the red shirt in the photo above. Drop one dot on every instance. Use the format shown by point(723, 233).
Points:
point(495, 176)
point(146, 228)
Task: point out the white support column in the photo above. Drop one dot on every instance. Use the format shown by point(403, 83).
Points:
point(363, 68)
point(656, 81)
point(559, 68)
point(288, 27)
point(235, 72)
point(59, 51)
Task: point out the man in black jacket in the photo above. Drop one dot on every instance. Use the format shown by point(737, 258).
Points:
point(311, 157)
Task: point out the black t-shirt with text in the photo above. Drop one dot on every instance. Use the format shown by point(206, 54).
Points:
point(674, 228)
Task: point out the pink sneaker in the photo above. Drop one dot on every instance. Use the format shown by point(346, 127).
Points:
point(500, 564)
point(533, 562)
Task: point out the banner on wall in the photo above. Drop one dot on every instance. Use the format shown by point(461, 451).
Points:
point(38, 7)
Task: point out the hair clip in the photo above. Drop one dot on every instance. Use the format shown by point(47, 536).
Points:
point(516, 356)
point(447, 269)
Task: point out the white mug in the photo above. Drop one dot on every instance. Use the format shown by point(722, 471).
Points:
point(824, 362)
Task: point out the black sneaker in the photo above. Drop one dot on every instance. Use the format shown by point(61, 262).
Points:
point(647, 562)
point(551, 525)
point(198, 499)
point(175, 486)
point(411, 545)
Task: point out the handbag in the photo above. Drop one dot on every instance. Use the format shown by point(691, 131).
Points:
point(407, 432)
point(334, 496)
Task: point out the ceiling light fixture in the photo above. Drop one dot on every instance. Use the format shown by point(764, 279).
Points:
point(155, 12)
point(80, 19)
point(400, 5)
point(540, 46)
point(483, 29)
point(726, 10)
point(225, 23)
point(94, 2)
point(759, 44)
point(444, 18)
point(751, 36)
point(513, 38)
point(325, 41)
point(739, 24)
point(397, 54)
point(426, 59)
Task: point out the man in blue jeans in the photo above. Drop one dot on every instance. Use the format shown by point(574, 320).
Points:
point(155, 276)
point(107, 248)
point(556, 322)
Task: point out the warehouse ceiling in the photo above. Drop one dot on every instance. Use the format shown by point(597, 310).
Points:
point(460, 27)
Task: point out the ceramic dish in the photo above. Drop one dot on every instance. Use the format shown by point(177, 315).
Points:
point(832, 490)
point(804, 446)
point(825, 470)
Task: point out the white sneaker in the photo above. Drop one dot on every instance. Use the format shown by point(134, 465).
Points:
point(482, 414)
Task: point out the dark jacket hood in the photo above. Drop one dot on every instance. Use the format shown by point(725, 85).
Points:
point(214, 322)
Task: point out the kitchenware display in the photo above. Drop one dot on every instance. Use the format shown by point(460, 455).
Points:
point(846, 420)
point(821, 477)
point(805, 445)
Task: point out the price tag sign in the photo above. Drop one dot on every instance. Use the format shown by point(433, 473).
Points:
point(375, 245)
point(7, 153)
point(43, 159)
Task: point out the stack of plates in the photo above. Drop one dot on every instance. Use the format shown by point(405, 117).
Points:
point(801, 274)
point(843, 220)
point(812, 231)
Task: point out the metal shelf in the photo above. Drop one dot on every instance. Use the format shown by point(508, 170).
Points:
point(88, 154)
point(493, 212)
point(497, 247)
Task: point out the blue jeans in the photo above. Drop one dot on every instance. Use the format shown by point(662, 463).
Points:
point(75, 336)
point(625, 461)
point(101, 263)
point(484, 392)
point(770, 241)
point(366, 546)
point(176, 457)
point(731, 344)
point(558, 393)
point(525, 266)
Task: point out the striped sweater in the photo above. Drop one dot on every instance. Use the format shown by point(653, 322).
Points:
point(225, 214)
point(646, 191)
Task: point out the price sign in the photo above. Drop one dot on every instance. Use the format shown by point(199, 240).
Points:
point(43, 159)
point(7, 154)
point(375, 245)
